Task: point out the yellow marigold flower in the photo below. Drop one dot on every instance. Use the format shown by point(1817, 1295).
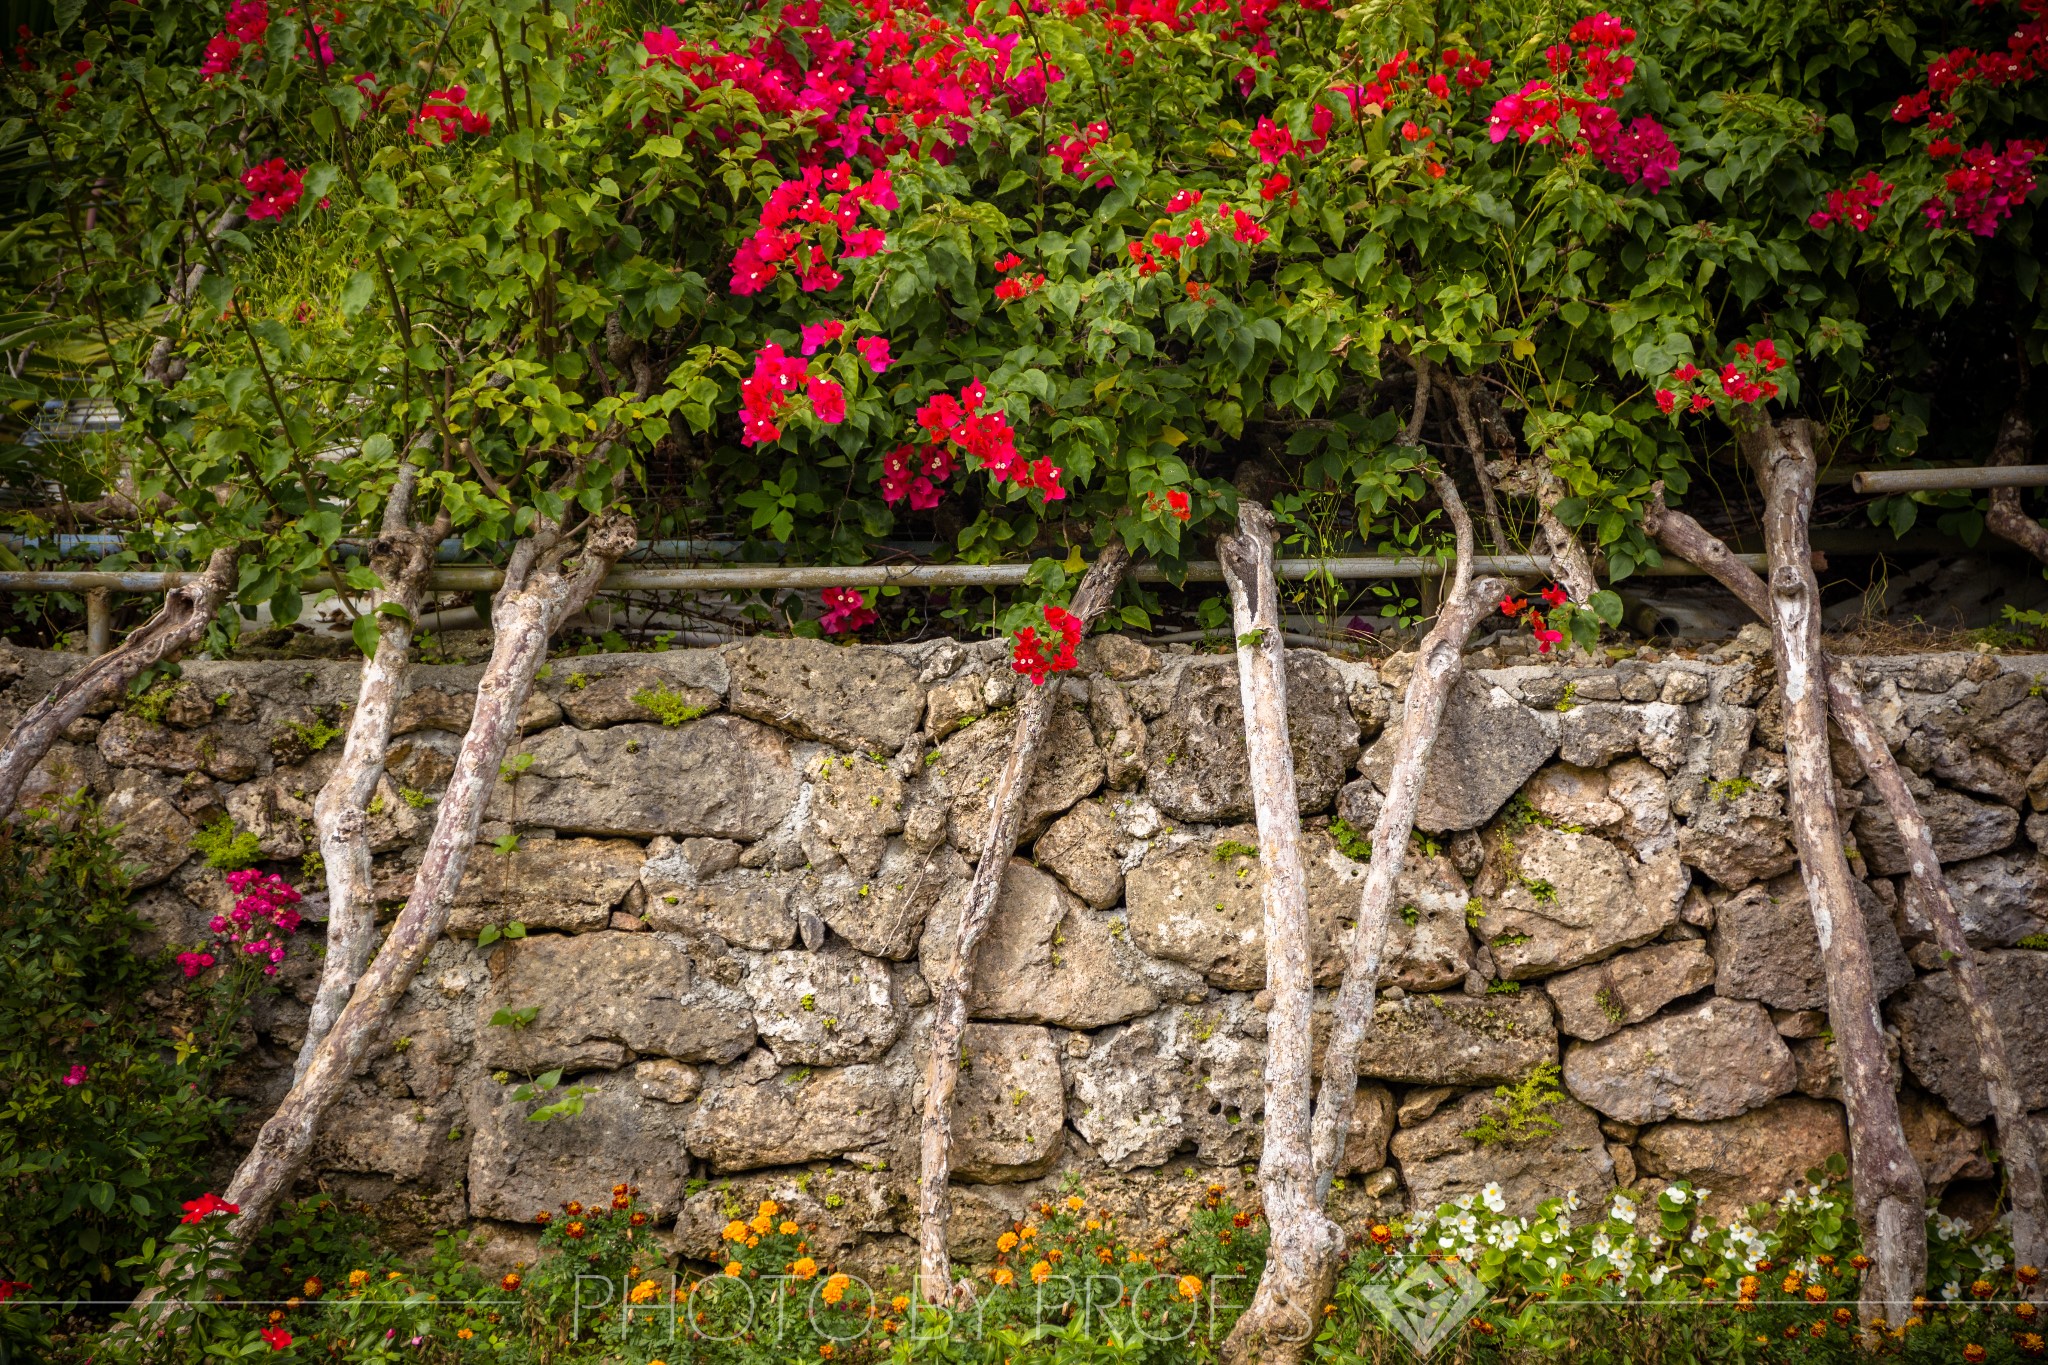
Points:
point(769, 1208)
point(643, 1292)
point(1006, 1243)
point(313, 1287)
point(1041, 1271)
point(900, 1302)
point(803, 1267)
point(1104, 1255)
point(510, 1282)
point(835, 1288)
point(2031, 1343)
point(732, 1270)
point(1974, 1353)
point(788, 1229)
point(762, 1223)
point(1092, 1225)
point(735, 1231)
point(463, 1334)
point(1055, 1255)
point(1004, 1276)
point(1816, 1293)
point(358, 1278)
point(1075, 1203)
point(1189, 1286)
point(1028, 1231)
point(753, 1241)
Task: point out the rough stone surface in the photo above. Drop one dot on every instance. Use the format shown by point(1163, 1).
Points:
point(128, 741)
point(614, 697)
point(1458, 1039)
point(1488, 747)
point(825, 1009)
point(1963, 828)
point(856, 804)
point(1941, 1049)
point(567, 884)
point(746, 907)
point(1046, 958)
point(1555, 899)
point(885, 915)
point(602, 999)
point(1766, 948)
point(1195, 765)
point(1946, 1147)
point(1187, 1077)
point(517, 1167)
point(1712, 1060)
point(1735, 838)
point(154, 838)
point(1198, 904)
point(1081, 850)
point(1593, 1002)
point(719, 777)
point(1009, 1113)
point(785, 1119)
point(1749, 1159)
point(805, 686)
point(2000, 900)
point(1070, 767)
point(1439, 1163)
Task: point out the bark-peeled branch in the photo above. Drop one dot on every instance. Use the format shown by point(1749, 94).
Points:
point(183, 619)
point(1927, 886)
point(541, 590)
point(1301, 1257)
point(2006, 517)
point(1438, 665)
point(1890, 1195)
point(401, 558)
point(949, 1009)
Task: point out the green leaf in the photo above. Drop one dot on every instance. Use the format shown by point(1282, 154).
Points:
point(1607, 606)
point(485, 937)
point(357, 293)
point(515, 930)
point(363, 630)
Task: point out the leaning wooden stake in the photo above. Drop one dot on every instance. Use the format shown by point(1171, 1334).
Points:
point(949, 1010)
point(1301, 1258)
point(1890, 1195)
point(2018, 1151)
point(540, 591)
point(1438, 665)
point(182, 619)
point(401, 557)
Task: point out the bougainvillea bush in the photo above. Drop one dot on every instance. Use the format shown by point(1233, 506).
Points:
point(1013, 279)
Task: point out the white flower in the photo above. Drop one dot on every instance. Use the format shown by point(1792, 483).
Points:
point(1571, 1199)
point(1492, 1198)
point(1550, 1261)
point(1657, 1275)
point(1546, 1237)
point(1602, 1247)
point(1677, 1193)
point(1951, 1290)
point(1700, 1234)
point(1701, 1194)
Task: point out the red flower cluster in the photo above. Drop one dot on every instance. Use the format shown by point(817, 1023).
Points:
point(1608, 69)
point(777, 380)
point(2024, 58)
point(1029, 654)
point(372, 96)
point(1016, 286)
point(1852, 205)
point(845, 610)
point(70, 87)
point(1553, 597)
point(205, 1206)
point(247, 22)
point(9, 1288)
point(276, 188)
point(917, 473)
point(261, 920)
point(1739, 382)
point(988, 438)
point(1391, 78)
point(1074, 159)
point(1641, 153)
point(276, 1337)
point(793, 223)
point(1176, 504)
point(1987, 187)
point(446, 115)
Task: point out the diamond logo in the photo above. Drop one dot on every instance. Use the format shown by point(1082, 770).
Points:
point(1428, 1304)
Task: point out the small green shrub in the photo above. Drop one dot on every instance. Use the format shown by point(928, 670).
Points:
point(667, 705)
point(1523, 1111)
point(225, 847)
point(1231, 848)
point(1350, 842)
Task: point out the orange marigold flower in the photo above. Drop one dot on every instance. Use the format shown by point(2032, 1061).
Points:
point(1075, 1203)
point(753, 1241)
point(543, 1218)
point(835, 1288)
point(900, 1303)
point(1380, 1233)
point(510, 1282)
point(358, 1278)
point(803, 1267)
point(1980, 1289)
point(2026, 1274)
point(1816, 1294)
point(463, 1334)
point(2030, 1343)
point(769, 1208)
point(788, 1229)
point(638, 1220)
point(1004, 1276)
point(1859, 1262)
point(1189, 1286)
point(1240, 1220)
point(575, 1228)
point(1007, 1243)
point(732, 1270)
point(1092, 1225)
point(2026, 1311)
point(1041, 1271)
point(1104, 1255)
point(1843, 1317)
point(1975, 1354)
point(826, 1350)
point(313, 1287)
point(735, 1231)
point(644, 1292)
point(762, 1224)
point(1214, 1196)
point(573, 1207)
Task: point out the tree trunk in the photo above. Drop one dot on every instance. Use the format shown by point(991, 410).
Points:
point(1890, 1196)
point(1686, 538)
point(949, 1009)
point(1461, 402)
point(2006, 517)
point(1569, 562)
point(401, 558)
point(1301, 1259)
point(181, 620)
point(1438, 665)
point(539, 593)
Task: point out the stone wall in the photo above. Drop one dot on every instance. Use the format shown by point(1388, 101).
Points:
point(731, 921)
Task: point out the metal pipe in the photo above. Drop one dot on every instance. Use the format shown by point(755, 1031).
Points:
point(749, 578)
point(1940, 480)
point(99, 622)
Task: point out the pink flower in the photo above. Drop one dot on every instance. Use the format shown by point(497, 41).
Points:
point(76, 1075)
point(817, 334)
point(828, 401)
point(845, 610)
point(1666, 400)
point(874, 350)
point(1183, 200)
point(275, 187)
point(1271, 142)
